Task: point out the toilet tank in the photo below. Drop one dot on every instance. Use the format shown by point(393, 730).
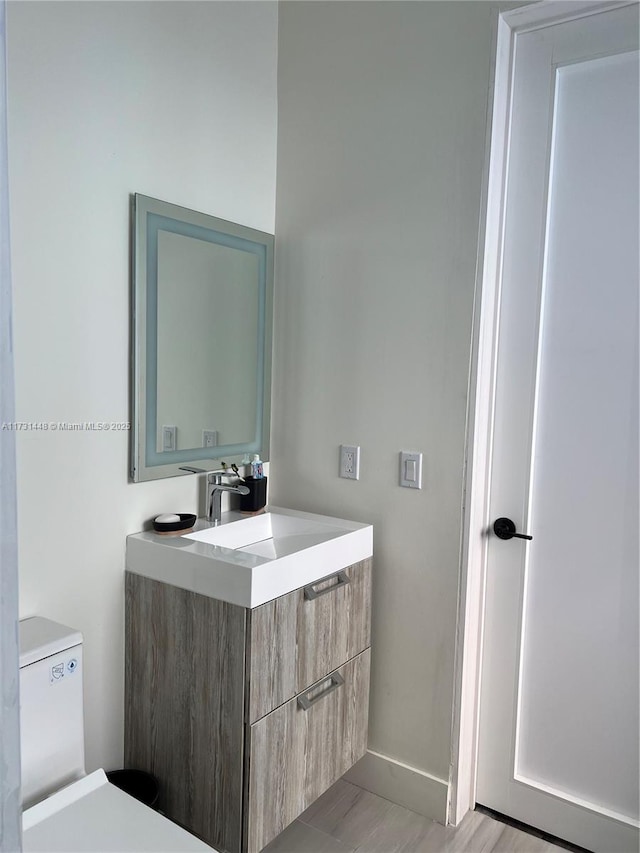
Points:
point(51, 711)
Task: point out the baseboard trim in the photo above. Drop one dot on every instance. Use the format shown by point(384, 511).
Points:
point(402, 784)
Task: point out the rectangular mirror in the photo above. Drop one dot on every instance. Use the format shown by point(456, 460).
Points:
point(202, 326)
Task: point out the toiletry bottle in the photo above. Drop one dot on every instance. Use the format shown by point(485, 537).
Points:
point(257, 471)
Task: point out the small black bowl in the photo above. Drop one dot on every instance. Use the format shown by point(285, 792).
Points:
point(187, 520)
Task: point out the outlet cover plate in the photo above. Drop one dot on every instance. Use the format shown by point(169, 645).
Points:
point(350, 461)
point(209, 437)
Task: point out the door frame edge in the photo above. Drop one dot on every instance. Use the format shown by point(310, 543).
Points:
point(469, 630)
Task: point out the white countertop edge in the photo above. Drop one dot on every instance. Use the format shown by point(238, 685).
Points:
point(355, 546)
point(258, 581)
point(231, 583)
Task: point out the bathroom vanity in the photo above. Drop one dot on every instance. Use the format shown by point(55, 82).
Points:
point(247, 668)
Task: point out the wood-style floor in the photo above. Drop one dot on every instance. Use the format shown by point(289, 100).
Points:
point(347, 819)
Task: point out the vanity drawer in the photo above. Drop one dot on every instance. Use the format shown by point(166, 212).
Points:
point(300, 749)
point(300, 637)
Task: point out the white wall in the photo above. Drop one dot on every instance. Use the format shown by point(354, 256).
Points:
point(172, 100)
point(381, 143)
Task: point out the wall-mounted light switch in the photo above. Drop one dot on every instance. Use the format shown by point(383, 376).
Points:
point(411, 470)
point(169, 438)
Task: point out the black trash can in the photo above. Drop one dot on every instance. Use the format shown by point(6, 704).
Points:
point(140, 785)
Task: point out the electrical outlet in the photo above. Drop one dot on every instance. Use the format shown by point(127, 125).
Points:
point(350, 461)
point(209, 437)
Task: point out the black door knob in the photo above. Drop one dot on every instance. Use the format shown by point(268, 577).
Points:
point(504, 528)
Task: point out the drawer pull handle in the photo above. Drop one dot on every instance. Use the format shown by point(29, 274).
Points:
point(306, 701)
point(310, 592)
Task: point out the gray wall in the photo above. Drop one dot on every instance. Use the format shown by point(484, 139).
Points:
point(381, 149)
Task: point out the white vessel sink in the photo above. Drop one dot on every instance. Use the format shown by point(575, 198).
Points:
point(249, 561)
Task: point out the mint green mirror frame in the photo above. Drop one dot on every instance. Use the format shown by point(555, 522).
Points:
point(202, 321)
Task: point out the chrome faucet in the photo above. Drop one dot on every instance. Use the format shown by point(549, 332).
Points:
point(215, 488)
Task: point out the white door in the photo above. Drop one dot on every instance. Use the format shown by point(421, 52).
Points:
point(558, 741)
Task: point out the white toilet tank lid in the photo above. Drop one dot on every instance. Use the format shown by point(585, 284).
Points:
point(40, 638)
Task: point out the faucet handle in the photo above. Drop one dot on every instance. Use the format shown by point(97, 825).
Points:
point(193, 470)
point(228, 471)
point(225, 471)
point(215, 477)
point(219, 472)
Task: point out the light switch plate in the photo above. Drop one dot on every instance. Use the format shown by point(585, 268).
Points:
point(411, 470)
point(169, 438)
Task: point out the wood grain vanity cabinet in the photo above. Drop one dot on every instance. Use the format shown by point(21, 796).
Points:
point(246, 716)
